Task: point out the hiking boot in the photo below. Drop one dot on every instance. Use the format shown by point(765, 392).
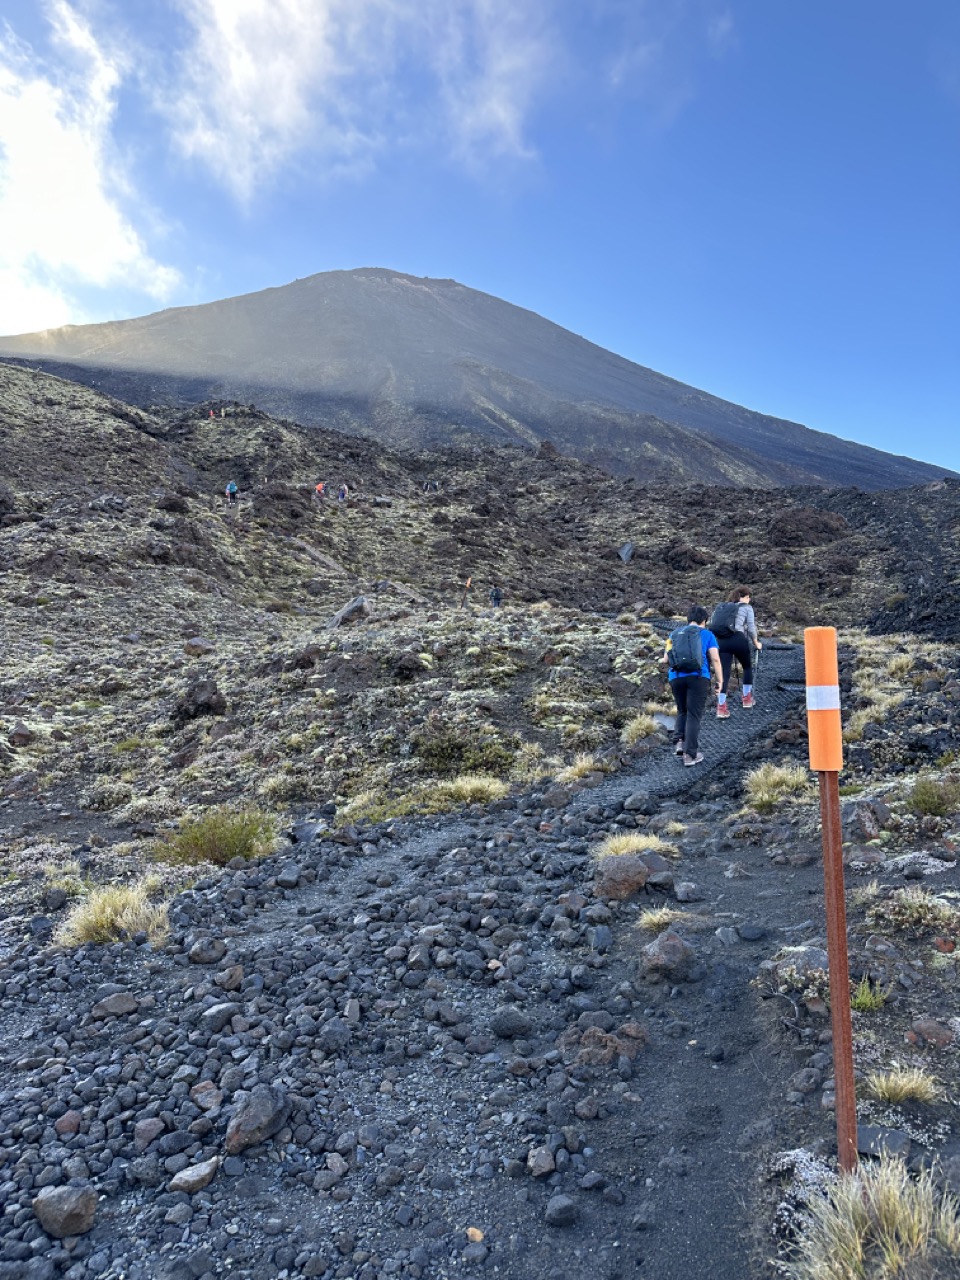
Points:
point(723, 711)
point(678, 749)
point(691, 760)
point(748, 700)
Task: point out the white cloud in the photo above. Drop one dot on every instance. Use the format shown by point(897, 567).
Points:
point(339, 81)
point(62, 190)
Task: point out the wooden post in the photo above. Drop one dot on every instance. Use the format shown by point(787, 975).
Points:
point(826, 759)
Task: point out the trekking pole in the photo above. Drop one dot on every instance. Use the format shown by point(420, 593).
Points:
point(466, 592)
point(826, 758)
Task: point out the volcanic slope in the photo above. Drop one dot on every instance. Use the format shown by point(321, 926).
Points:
point(420, 1037)
point(423, 361)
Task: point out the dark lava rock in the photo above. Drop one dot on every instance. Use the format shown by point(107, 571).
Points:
point(561, 1211)
point(258, 1117)
point(66, 1211)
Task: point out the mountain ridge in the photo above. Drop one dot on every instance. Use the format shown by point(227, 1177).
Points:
point(424, 361)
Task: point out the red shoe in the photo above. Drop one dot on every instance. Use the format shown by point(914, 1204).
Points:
point(723, 711)
point(748, 700)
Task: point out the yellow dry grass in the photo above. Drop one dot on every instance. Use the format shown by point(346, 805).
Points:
point(903, 1084)
point(113, 913)
point(879, 1224)
point(635, 842)
point(473, 788)
point(579, 767)
point(654, 919)
point(635, 730)
point(768, 784)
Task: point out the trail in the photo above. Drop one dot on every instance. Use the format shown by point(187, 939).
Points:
point(658, 1155)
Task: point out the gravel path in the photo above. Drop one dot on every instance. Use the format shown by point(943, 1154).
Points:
point(434, 1031)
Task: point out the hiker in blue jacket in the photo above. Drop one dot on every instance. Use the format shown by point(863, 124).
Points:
point(691, 656)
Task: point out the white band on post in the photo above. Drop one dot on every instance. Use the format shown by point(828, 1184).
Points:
point(823, 697)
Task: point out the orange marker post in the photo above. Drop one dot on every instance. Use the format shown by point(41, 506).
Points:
point(826, 759)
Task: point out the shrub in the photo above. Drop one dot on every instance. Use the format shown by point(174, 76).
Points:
point(903, 1084)
point(635, 730)
point(768, 784)
point(634, 842)
point(932, 798)
point(446, 750)
point(219, 835)
point(114, 913)
point(868, 996)
point(877, 1223)
point(913, 910)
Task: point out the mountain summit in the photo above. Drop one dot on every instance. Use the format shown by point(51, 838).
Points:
point(421, 361)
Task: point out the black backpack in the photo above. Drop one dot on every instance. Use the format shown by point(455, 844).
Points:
point(724, 619)
point(686, 650)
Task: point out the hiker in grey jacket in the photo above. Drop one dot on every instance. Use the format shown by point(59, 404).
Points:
point(735, 626)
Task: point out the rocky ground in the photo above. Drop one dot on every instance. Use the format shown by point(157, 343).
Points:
point(422, 1044)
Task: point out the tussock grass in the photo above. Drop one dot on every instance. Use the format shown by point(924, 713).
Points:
point(868, 996)
point(635, 842)
point(218, 836)
point(65, 876)
point(903, 1084)
point(863, 895)
point(528, 763)
point(579, 767)
point(900, 665)
point(879, 1224)
point(879, 705)
point(768, 784)
point(655, 919)
point(635, 730)
point(914, 910)
point(473, 788)
point(113, 913)
point(931, 797)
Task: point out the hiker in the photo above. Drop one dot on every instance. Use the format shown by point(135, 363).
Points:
point(223, 412)
point(496, 596)
point(735, 626)
point(321, 490)
point(342, 493)
point(691, 655)
point(232, 493)
point(211, 413)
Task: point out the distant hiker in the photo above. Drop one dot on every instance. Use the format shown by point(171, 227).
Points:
point(211, 413)
point(342, 493)
point(321, 490)
point(735, 626)
point(691, 655)
point(223, 412)
point(496, 596)
point(232, 493)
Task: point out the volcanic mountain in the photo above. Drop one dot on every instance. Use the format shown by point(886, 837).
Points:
point(424, 362)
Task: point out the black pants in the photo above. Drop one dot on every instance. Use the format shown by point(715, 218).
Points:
point(690, 695)
point(739, 647)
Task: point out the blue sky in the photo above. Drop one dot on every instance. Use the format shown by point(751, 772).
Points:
point(758, 197)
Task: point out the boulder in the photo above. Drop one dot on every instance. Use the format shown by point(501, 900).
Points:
point(202, 698)
point(619, 876)
point(510, 1023)
point(115, 1005)
point(353, 611)
point(66, 1211)
point(195, 1177)
point(198, 647)
point(257, 1117)
point(668, 956)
